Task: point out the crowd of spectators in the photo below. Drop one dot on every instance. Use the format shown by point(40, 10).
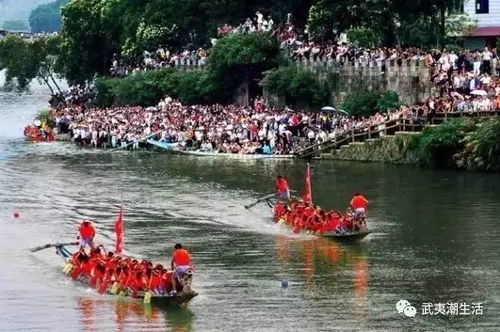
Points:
point(256, 129)
point(163, 57)
point(74, 95)
point(467, 81)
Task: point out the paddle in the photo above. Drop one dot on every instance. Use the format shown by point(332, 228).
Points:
point(260, 200)
point(51, 245)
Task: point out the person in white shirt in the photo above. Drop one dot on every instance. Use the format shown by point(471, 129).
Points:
point(486, 58)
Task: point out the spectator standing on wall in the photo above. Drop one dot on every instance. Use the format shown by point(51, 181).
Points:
point(486, 56)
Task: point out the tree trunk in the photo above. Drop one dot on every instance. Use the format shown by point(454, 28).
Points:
point(48, 84)
point(55, 83)
point(442, 26)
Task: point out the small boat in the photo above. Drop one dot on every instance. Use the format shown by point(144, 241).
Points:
point(157, 300)
point(174, 147)
point(35, 134)
point(234, 155)
point(163, 145)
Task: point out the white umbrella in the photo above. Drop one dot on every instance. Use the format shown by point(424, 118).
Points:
point(333, 109)
point(151, 109)
point(479, 93)
point(457, 95)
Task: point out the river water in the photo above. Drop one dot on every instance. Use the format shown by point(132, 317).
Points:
point(436, 239)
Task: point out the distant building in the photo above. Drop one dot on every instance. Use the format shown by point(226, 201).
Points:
point(487, 15)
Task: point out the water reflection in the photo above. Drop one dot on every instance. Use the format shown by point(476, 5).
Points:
point(131, 314)
point(87, 309)
point(326, 263)
point(180, 319)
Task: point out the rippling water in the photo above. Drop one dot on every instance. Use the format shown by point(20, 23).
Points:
point(436, 239)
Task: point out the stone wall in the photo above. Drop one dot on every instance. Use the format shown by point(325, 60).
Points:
point(410, 79)
point(397, 149)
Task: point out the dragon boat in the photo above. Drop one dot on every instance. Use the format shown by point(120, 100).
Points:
point(35, 134)
point(183, 296)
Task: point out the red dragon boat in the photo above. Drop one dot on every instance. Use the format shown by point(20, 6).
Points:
point(36, 134)
point(349, 228)
point(166, 298)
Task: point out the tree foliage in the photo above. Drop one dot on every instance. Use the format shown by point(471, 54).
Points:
point(482, 149)
point(363, 37)
point(94, 30)
point(366, 103)
point(419, 22)
point(25, 60)
point(439, 144)
point(147, 88)
point(297, 85)
point(244, 56)
point(234, 59)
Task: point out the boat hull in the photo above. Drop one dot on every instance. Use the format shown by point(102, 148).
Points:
point(352, 237)
point(174, 147)
point(157, 300)
point(49, 138)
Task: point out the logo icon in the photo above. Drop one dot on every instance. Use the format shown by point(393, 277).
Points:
point(404, 307)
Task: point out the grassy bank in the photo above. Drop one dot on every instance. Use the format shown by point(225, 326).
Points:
point(469, 144)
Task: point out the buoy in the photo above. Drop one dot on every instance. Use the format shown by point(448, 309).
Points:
point(284, 283)
point(16, 214)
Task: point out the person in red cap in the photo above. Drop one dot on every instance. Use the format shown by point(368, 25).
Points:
point(86, 234)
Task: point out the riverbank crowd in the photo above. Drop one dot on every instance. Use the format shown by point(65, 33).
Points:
point(257, 129)
point(467, 83)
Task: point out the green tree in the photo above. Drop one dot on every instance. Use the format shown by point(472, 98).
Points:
point(366, 103)
point(297, 85)
point(86, 48)
point(239, 58)
point(431, 16)
point(363, 37)
point(25, 60)
point(388, 101)
point(320, 16)
point(361, 103)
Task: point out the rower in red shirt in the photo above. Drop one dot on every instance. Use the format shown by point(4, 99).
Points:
point(282, 189)
point(181, 262)
point(87, 233)
point(359, 205)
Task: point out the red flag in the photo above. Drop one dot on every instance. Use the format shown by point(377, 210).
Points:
point(119, 232)
point(307, 196)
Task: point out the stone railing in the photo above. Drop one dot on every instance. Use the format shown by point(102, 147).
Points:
point(190, 64)
point(413, 65)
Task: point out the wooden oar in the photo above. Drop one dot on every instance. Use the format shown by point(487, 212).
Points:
point(260, 200)
point(51, 245)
